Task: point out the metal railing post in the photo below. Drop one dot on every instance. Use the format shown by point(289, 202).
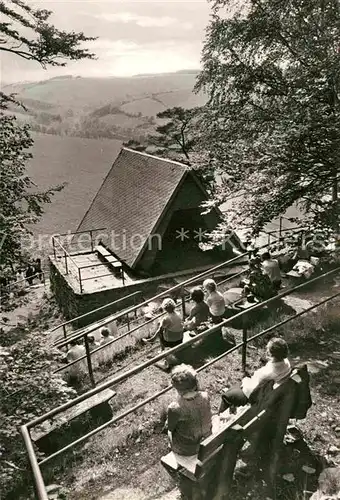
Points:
point(53, 244)
point(244, 349)
point(91, 233)
point(66, 266)
point(64, 332)
point(42, 495)
point(184, 313)
point(134, 303)
point(89, 362)
point(80, 283)
point(280, 229)
point(38, 479)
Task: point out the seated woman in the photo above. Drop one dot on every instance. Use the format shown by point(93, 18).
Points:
point(215, 301)
point(277, 368)
point(189, 418)
point(200, 311)
point(271, 268)
point(170, 329)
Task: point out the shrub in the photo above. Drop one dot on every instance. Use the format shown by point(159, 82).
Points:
point(28, 388)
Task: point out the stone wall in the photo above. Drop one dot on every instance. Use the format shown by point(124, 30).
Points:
point(73, 304)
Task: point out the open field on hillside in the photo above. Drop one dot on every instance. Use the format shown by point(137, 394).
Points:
point(114, 108)
point(95, 92)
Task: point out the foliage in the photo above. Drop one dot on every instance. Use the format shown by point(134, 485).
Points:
point(271, 69)
point(175, 138)
point(20, 204)
point(28, 388)
point(25, 32)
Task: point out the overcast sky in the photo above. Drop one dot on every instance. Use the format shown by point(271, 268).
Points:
point(134, 37)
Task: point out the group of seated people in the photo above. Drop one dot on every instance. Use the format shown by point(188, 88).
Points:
point(208, 305)
point(264, 277)
point(189, 418)
point(78, 350)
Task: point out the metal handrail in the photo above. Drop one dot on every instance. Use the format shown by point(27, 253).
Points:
point(174, 350)
point(113, 317)
point(209, 271)
point(13, 284)
point(79, 268)
point(65, 251)
point(168, 388)
point(129, 332)
point(24, 429)
point(187, 282)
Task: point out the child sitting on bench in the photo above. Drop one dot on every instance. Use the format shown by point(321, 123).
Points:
point(200, 311)
point(189, 418)
point(277, 368)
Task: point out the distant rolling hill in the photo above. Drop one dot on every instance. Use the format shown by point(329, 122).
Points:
point(79, 125)
point(115, 108)
point(91, 93)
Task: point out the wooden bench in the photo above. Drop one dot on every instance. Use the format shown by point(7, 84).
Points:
point(48, 434)
point(214, 465)
point(108, 257)
point(195, 471)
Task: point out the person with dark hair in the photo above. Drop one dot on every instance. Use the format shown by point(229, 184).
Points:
point(92, 342)
point(277, 368)
point(189, 418)
point(272, 269)
point(29, 274)
point(38, 270)
point(199, 312)
point(106, 336)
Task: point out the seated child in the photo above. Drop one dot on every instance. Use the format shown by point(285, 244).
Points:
point(105, 355)
point(189, 418)
point(105, 336)
point(277, 368)
point(215, 301)
point(200, 311)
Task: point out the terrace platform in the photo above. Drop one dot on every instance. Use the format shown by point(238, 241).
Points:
point(86, 273)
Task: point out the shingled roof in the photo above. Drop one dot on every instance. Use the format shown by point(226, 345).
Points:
point(132, 199)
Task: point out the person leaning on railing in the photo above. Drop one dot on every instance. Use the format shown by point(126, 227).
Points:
point(276, 368)
point(189, 418)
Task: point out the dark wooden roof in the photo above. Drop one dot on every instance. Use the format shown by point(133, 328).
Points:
point(132, 198)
